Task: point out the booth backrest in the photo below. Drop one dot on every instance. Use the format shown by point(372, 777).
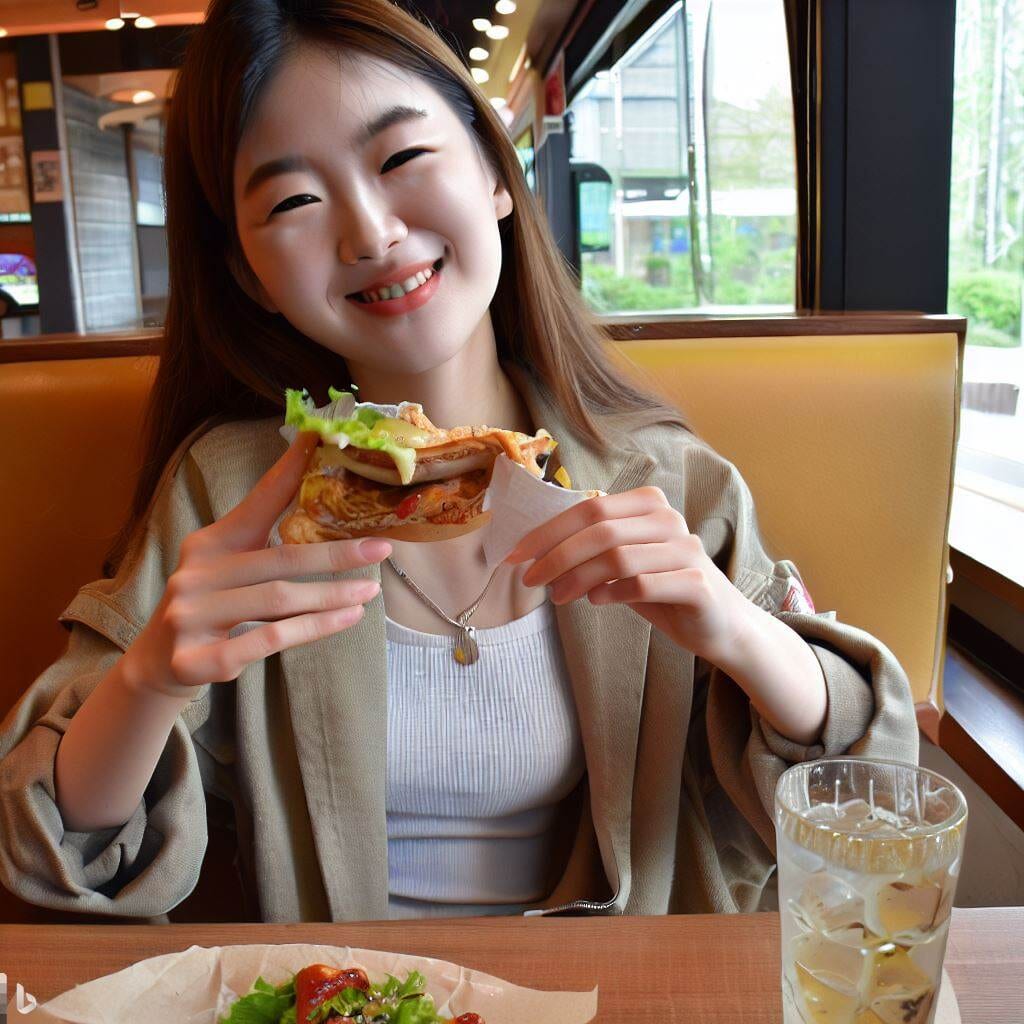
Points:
point(847, 443)
point(70, 448)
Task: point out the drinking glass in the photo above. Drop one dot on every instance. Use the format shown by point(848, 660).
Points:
point(869, 853)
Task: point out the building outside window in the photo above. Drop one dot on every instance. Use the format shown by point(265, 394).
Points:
point(694, 125)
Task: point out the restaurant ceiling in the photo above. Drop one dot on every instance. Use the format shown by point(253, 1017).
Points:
point(453, 19)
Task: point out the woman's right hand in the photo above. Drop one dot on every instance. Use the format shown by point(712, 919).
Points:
point(226, 576)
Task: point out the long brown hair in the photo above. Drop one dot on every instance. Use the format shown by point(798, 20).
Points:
point(224, 357)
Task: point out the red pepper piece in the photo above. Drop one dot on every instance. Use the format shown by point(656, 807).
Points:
point(468, 1018)
point(316, 984)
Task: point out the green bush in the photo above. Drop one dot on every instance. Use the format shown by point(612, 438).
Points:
point(657, 262)
point(606, 292)
point(989, 297)
point(981, 334)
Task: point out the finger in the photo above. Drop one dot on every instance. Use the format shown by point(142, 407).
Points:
point(687, 587)
point(636, 502)
point(268, 602)
point(619, 563)
point(287, 561)
point(662, 525)
point(246, 526)
point(224, 660)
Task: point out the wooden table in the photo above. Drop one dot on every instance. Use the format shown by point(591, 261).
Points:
point(695, 969)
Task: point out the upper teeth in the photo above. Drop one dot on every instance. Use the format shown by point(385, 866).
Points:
point(395, 291)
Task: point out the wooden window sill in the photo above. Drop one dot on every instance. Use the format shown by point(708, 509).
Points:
point(983, 730)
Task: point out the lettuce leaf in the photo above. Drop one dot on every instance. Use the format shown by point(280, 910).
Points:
point(301, 413)
point(265, 1004)
point(415, 1010)
point(346, 1002)
point(415, 984)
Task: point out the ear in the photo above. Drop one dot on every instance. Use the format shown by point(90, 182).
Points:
point(247, 280)
point(502, 201)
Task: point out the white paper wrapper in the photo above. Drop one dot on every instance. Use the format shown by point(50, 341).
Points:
point(198, 985)
point(518, 501)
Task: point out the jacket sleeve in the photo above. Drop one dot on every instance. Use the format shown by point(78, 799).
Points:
point(870, 709)
point(149, 864)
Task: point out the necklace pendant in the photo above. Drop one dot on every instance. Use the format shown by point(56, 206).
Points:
point(466, 649)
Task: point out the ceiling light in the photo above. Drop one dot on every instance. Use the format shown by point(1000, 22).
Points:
point(481, 24)
point(478, 53)
point(143, 96)
point(113, 24)
point(3, 32)
point(145, 22)
point(505, 7)
point(498, 31)
point(497, 102)
point(480, 75)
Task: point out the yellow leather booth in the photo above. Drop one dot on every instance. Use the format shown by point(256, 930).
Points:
point(847, 443)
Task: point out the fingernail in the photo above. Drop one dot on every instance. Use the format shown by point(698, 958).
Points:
point(375, 549)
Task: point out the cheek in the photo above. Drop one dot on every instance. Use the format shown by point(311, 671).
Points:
point(291, 264)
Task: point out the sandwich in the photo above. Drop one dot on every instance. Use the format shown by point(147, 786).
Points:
point(387, 471)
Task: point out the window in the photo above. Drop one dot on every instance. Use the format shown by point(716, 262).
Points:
point(525, 152)
point(986, 278)
point(694, 126)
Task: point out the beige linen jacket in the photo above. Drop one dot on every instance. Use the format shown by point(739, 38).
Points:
point(674, 814)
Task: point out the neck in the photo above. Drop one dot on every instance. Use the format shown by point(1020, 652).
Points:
point(469, 389)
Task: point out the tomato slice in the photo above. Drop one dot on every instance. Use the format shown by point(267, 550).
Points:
point(318, 982)
point(407, 506)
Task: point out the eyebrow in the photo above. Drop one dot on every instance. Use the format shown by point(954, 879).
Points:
point(294, 162)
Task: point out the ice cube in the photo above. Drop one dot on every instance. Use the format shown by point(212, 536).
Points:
point(899, 991)
point(829, 905)
point(906, 912)
point(800, 857)
point(829, 977)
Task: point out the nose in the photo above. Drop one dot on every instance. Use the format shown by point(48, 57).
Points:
point(368, 229)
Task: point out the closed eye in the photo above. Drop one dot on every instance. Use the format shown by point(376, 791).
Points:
point(403, 157)
point(284, 204)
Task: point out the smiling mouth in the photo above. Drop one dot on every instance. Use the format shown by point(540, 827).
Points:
point(398, 289)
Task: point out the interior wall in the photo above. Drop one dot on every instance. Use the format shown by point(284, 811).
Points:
point(104, 218)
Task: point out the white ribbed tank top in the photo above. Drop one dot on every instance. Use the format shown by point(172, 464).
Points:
point(478, 759)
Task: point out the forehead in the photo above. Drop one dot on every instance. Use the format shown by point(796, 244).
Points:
point(319, 98)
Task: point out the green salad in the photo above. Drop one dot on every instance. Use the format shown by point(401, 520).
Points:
point(320, 993)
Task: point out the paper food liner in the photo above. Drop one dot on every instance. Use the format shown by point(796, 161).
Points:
point(518, 501)
point(199, 984)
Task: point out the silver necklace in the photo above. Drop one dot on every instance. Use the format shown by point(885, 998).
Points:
point(466, 650)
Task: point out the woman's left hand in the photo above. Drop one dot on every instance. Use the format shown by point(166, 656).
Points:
point(634, 548)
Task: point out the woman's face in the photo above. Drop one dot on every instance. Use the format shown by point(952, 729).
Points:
point(366, 199)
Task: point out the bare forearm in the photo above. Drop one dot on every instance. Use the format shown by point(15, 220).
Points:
point(780, 674)
point(110, 749)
